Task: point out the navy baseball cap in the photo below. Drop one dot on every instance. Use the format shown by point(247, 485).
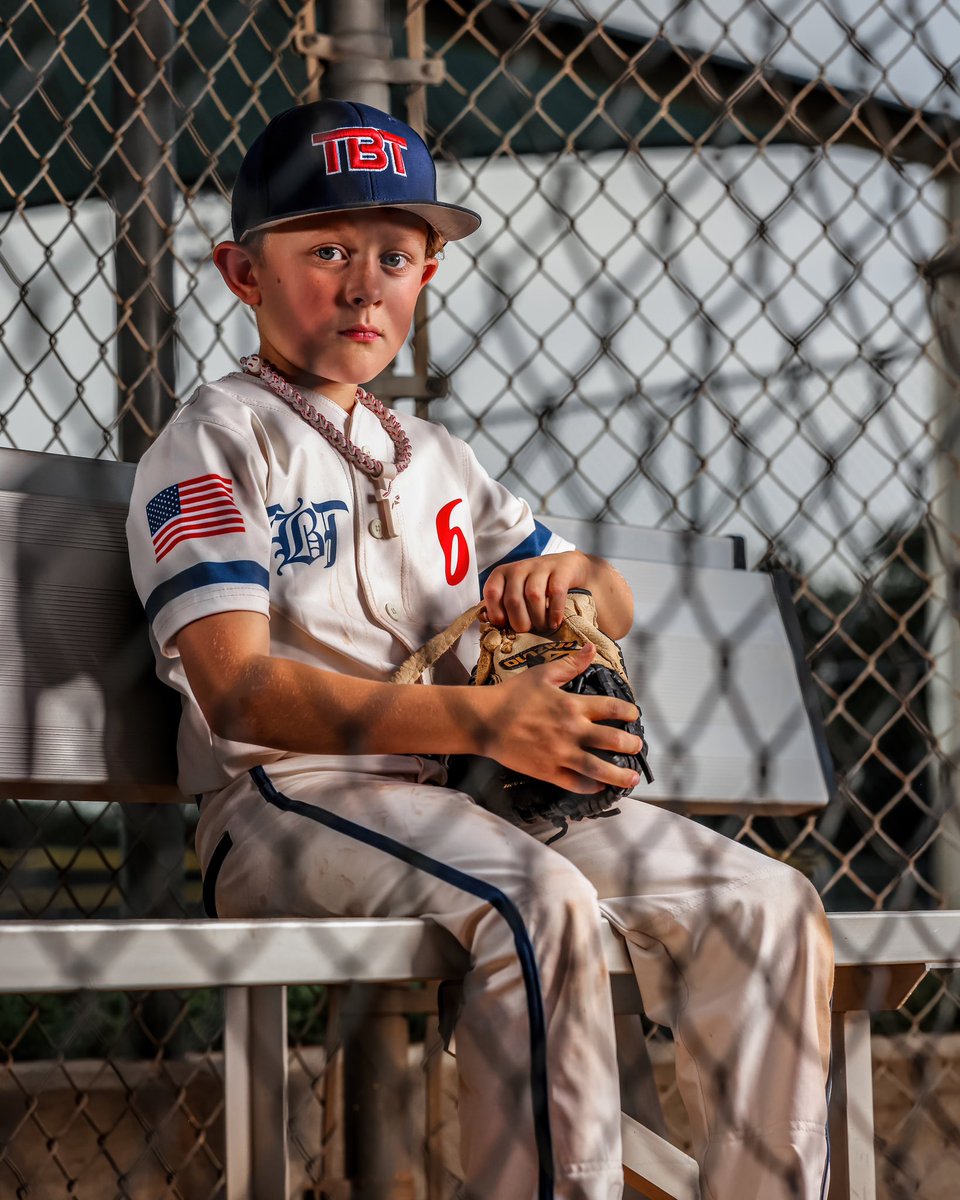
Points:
point(333, 156)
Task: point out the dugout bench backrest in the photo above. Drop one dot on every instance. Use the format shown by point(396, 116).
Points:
point(82, 714)
point(714, 656)
point(716, 660)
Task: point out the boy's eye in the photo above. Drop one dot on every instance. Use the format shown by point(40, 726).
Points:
point(394, 258)
point(329, 253)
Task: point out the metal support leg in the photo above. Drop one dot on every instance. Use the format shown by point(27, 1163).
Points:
point(255, 1089)
point(333, 1184)
point(853, 1171)
point(435, 1167)
point(639, 1098)
point(638, 1087)
point(379, 1133)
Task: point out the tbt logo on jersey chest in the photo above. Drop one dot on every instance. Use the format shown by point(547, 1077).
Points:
point(306, 533)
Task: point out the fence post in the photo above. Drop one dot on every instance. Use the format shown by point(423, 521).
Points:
point(360, 66)
point(144, 195)
point(417, 118)
point(362, 33)
point(944, 566)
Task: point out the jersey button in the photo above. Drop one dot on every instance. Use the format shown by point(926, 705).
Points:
point(393, 611)
point(376, 528)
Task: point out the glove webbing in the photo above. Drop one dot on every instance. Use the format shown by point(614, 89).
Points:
point(421, 660)
point(424, 658)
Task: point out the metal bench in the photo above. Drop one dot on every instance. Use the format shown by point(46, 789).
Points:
point(715, 659)
point(880, 959)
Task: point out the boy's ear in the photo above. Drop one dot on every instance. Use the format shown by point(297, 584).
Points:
point(239, 270)
point(430, 267)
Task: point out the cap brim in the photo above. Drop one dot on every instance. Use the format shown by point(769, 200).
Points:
point(449, 220)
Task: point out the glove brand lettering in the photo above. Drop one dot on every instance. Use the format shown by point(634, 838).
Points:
point(453, 542)
point(536, 656)
point(305, 534)
point(367, 149)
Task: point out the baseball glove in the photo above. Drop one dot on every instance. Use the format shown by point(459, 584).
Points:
point(503, 653)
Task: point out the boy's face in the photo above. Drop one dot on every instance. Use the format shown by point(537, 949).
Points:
point(333, 294)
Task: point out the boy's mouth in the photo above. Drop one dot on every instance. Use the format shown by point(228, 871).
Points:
point(361, 333)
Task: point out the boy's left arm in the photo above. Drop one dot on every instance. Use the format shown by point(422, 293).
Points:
point(531, 592)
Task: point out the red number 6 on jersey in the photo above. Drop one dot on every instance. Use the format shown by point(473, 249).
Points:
point(453, 541)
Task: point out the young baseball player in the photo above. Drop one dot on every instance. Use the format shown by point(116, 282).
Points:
point(293, 541)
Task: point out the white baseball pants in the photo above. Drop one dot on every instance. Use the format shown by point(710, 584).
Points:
point(731, 950)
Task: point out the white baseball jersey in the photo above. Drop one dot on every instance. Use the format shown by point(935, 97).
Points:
point(240, 504)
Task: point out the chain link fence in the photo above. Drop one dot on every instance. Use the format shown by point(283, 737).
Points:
point(699, 300)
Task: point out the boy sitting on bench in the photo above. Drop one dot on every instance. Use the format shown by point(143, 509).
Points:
point(292, 542)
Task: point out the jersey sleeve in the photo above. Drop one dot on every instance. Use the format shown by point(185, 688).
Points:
point(504, 528)
point(197, 529)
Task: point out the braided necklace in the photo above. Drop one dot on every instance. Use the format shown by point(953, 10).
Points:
point(380, 473)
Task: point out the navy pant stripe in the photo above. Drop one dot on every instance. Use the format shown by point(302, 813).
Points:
point(209, 893)
point(497, 900)
point(825, 1180)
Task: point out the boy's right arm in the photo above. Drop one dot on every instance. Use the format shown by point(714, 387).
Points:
point(527, 724)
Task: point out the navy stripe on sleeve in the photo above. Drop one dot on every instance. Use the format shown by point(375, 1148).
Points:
point(530, 547)
point(203, 575)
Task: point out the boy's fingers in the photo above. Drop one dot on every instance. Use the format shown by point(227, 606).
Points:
point(608, 737)
point(562, 670)
point(535, 600)
point(557, 603)
point(492, 598)
point(577, 783)
point(605, 772)
point(515, 603)
point(609, 708)
point(591, 767)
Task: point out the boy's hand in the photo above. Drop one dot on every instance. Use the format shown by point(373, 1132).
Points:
point(531, 593)
point(529, 725)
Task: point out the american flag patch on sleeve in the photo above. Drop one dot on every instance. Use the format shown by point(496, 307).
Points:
point(197, 508)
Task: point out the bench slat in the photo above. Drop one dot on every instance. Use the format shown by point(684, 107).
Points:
point(118, 955)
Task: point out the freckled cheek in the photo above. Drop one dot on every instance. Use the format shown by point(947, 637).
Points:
point(304, 307)
point(400, 309)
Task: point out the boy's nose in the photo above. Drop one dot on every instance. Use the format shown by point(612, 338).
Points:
point(363, 286)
